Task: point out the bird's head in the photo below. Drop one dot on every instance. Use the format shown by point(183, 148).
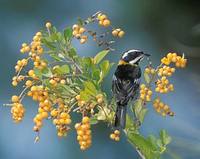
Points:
point(133, 56)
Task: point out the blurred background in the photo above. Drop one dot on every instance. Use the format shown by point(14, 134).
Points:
point(154, 26)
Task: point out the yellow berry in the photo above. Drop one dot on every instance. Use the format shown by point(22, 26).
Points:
point(115, 33)
point(77, 125)
point(117, 132)
point(121, 34)
point(52, 81)
point(117, 138)
point(102, 17)
point(29, 83)
point(48, 25)
point(68, 121)
point(75, 27)
point(106, 23)
point(100, 100)
point(81, 30)
point(38, 34)
point(31, 72)
point(75, 32)
point(147, 70)
point(85, 119)
point(15, 99)
point(24, 45)
point(101, 22)
point(14, 83)
point(82, 41)
point(112, 136)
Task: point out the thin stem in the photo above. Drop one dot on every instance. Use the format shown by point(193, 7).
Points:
point(140, 153)
point(23, 92)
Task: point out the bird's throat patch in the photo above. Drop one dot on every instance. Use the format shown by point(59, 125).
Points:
point(122, 62)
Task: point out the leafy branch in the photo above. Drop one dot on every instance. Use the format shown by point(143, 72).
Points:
point(62, 82)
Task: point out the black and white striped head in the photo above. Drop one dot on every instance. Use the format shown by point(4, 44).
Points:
point(133, 56)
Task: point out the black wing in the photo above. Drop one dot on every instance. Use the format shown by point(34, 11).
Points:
point(124, 90)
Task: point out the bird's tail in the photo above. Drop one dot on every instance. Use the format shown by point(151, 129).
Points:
point(120, 116)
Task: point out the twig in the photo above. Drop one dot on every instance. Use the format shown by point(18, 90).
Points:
point(140, 153)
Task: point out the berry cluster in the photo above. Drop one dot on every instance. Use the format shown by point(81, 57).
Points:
point(174, 58)
point(17, 79)
point(37, 51)
point(61, 120)
point(103, 20)
point(17, 109)
point(115, 135)
point(55, 80)
point(99, 98)
point(84, 133)
point(78, 33)
point(162, 108)
point(40, 94)
point(118, 33)
point(36, 48)
point(25, 48)
point(166, 71)
point(150, 70)
point(145, 93)
point(31, 73)
point(89, 105)
point(163, 85)
point(20, 64)
point(81, 102)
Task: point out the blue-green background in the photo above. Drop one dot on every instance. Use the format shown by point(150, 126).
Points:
point(154, 26)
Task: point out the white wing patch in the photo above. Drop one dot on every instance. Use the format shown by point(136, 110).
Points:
point(137, 81)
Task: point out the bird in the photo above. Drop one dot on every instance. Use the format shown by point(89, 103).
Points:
point(126, 83)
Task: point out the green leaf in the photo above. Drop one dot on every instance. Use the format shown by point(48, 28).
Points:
point(56, 57)
point(165, 138)
point(142, 114)
point(90, 86)
point(64, 69)
point(95, 74)
point(147, 77)
point(54, 37)
point(137, 107)
point(159, 143)
point(153, 140)
point(48, 43)
point(46, 72)
point(84, 95)
point(38, 73)
point(65, 89)
point(93, 120)
point(130, 125)
point(72, 53)
point(100, 56)
point(105, 68)
point(139, 110)
point(144, 146)
point(87, 61)
point(68, 33)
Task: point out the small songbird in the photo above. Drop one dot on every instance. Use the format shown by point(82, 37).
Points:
point(125, 83)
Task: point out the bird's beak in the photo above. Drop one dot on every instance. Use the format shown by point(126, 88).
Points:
point(147, 54)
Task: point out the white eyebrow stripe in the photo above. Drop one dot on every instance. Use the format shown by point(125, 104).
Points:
point(136, 59)
point(126, 53)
